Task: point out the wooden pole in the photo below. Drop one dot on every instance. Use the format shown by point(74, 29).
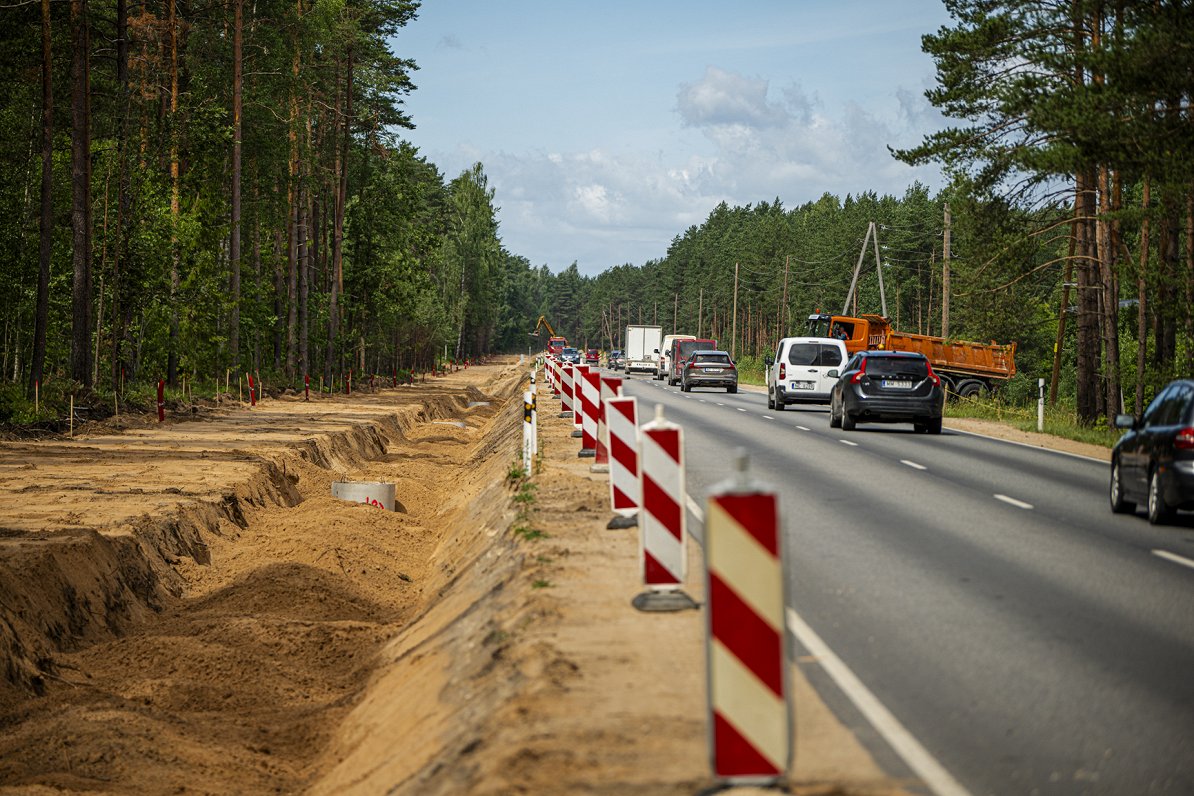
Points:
point(700, 311)
point(734, 325)
point(945, 277)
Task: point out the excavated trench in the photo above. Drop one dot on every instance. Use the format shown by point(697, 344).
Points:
point(198, 613)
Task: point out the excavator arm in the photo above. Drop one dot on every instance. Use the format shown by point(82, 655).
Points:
point(543, 323)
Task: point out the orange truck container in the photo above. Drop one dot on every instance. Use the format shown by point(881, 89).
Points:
point(968, 368)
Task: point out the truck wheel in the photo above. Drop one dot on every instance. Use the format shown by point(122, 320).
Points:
point(971, 388)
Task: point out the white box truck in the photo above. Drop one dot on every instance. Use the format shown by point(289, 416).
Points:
point(642, 348)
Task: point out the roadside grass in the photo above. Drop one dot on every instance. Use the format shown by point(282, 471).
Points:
point(1060, 420)
point(525, 499)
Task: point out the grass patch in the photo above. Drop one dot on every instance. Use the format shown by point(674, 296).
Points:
point(540, 583)
point(529, 533)
point(1060, 421)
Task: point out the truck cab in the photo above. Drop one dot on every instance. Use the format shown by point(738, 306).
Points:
point(868, 332)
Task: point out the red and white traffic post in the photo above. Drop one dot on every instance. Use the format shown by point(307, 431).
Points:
point(591, 401)
point(566, 390)
point(611, 387)
point(750, 721)
point(578, 401)
point(621, 419)
point(663, 527)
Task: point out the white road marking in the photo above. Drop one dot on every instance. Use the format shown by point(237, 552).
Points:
point(1020, 504)
point(768, 417)
point(740, 409)
point(848, 442)
point(913, 465)
point(804, 428)
point(1026, 445)
point(932, 773)
point(1174, 557)
point(702, 400)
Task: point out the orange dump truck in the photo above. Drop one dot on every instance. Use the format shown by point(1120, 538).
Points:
point(968, 368)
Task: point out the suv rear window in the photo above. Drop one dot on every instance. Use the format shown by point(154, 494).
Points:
point(712, 359)
point(897, 366)
point(814, 354)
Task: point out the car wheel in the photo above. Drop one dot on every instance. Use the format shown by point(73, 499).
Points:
point(779, 403)
point(1116, 492)
point(848, 423)
point(734, 388)
point(933, 425)
point(919, 427)
point(1159, 512)
point(770, 400)
point(835, 421)
point(684, 387)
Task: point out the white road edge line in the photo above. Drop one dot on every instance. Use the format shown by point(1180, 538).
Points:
point(1026, 445)
point(848, 442)
point(1174, 557)
point(913, 465)
point(932, 773)
point(1020, 504)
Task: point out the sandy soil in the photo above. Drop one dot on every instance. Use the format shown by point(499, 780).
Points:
point(184, 608)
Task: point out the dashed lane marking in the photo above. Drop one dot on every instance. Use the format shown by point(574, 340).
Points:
point(804, 428)
point(740, 409)
point(1011, 501)
point(768, 417)
point(913, 465)
point(1174, 557)
point(848, 442)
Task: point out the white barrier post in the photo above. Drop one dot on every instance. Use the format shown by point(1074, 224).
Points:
point(591, 401)
point(750, 721)
point(663, 534)
point(578, 401)
point(621, 419)
point(1040, 405)
point(611, 387)
point(566, 390)
point(528, 426)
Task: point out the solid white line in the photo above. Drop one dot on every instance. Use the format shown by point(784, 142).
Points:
point(913, 465)
point(848, 442)
point(1026, 445)
point(932, 773)
point(1020, 504)
point(804, 428)
point(1174, 557)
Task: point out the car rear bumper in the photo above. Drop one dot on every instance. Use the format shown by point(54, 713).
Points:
point(802, 396)
point(711, 381)
point(895, 410)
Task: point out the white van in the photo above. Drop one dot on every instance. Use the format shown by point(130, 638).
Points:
point(665, 354)
point(804, 371)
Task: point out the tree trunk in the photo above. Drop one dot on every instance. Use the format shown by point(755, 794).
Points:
point(234, 240)
point(1190, 281)
point(81, 195)
point(1142, 301)
point(46, 250)
point(1110, 297)
point(1088, 343)
point(341, 171)
point(123, 193)
point(175, 207)
point(304, 286)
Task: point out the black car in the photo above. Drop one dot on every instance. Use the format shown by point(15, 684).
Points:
point(887, 387)
point(709, 369)
point(1153, 462)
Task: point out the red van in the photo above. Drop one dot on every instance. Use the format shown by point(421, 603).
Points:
point(681, 351)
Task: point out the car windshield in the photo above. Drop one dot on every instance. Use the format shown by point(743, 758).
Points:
point(568, 351)
point(711, 359)
point(910, 367)
point(814, 354)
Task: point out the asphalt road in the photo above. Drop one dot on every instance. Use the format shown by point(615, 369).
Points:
point(1028, 639)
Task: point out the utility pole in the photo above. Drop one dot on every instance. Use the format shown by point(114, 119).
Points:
point(675, 310)
point(783, 310)
point(700, 311)
point(945, 277)
point(734, 325)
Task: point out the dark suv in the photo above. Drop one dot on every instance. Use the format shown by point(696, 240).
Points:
point(887, 387)
point(1154, 461)
point(709, 369)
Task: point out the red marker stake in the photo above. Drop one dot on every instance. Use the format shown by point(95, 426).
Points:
point(307, 387)
point(161, 400)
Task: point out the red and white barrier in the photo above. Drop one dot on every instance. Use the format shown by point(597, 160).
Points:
point(611, 387)
point(621, 420)
point(578, 403)
point(751, 738)
point(663, 527)
point(591, 403)
point(566, 386)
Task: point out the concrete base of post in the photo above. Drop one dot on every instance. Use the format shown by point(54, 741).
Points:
point(619, 523)
point(587, 453)
point(565, 414)
point(599, 468)
point(578, 434)
point(661, 601)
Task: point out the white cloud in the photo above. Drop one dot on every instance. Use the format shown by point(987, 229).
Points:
point(725, 98)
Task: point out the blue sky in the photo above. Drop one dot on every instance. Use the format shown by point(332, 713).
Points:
point(608, 128)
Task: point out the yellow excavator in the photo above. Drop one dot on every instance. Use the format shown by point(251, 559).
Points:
point(555, 343)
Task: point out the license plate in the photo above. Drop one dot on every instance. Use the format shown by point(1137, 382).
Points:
point(712, 370)
point(803, 385)
point(897, 384)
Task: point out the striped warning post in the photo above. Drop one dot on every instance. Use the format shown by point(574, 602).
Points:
point(664, 525)
point(566, 376)
point(611, 387)
point(553, 368)
point(751, 737)
point(578, 404)
point(621, 420)
point(591, 403)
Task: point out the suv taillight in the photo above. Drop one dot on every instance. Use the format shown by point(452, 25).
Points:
point(691, 364)
point(783, 371)
point(857, 377)
point(936, 379)
point(1184, 439)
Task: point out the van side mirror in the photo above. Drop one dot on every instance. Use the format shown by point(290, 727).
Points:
point(656, 350)
point(768, 362)
point(833, 374)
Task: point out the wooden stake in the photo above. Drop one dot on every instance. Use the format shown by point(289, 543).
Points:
point(72, 417)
